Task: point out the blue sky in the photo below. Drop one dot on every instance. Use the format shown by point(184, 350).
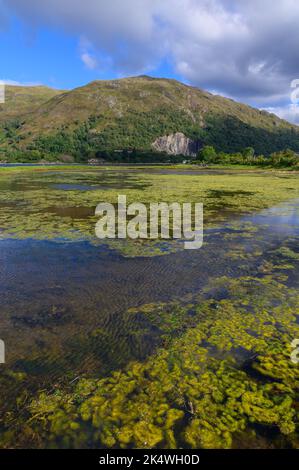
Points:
point(51, 57)
point(245, 50)
point(47, 56)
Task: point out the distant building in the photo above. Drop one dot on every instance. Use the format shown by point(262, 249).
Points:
point(95, 161)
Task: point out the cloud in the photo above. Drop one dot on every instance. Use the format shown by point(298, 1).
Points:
point(7, 81)
point(246, 49)
point(289, 112)
point(88, 58)
point(89, 61)
point(3, 17)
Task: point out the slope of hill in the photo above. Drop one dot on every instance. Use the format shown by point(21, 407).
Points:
point(134, 113)
point(20, 100)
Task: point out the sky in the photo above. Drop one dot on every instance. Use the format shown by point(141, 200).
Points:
point(247, 50)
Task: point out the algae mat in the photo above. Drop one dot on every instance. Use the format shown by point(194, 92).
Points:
point(141, 344)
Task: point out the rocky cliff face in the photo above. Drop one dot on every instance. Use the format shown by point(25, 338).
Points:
point(177, 144)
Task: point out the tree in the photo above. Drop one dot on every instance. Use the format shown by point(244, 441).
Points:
point(207, 154)
point(248, 152)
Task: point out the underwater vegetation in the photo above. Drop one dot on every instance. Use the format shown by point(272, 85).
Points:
point(47, 205)
point(224, 370)
point(219, 374)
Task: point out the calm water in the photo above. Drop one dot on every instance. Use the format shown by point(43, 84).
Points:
point(56, 294)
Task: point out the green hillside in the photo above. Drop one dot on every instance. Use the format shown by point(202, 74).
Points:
point(132, 113)
point(20, 100)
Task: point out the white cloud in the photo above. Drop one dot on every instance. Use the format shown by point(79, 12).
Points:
point(245, 49)
point(289, 112)
point(88, 58)
point(89, 61)
point(7, 81)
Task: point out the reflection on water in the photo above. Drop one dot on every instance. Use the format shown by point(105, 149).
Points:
point(57, 180)
point(58, 292)
point(75, 187)
point(284, 218)
point(55, 295)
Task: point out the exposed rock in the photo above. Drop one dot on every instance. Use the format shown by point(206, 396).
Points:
point(177, 144)
point(111, 101)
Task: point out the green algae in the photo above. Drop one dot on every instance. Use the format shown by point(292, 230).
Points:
point(224, 369)
point(287, 252)
point(32, 206)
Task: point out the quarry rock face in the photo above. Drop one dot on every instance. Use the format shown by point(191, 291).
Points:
point(177, 144)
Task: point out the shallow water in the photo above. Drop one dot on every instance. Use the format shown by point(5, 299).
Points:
point(56, 294)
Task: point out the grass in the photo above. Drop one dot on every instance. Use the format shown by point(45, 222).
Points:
point(22, 100)
point(138, 166)
point(40, 168)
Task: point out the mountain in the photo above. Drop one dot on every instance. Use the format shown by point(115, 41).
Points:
point(144, 113)
point(20, 100)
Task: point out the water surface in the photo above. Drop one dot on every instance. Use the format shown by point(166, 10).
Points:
point(64, 304)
